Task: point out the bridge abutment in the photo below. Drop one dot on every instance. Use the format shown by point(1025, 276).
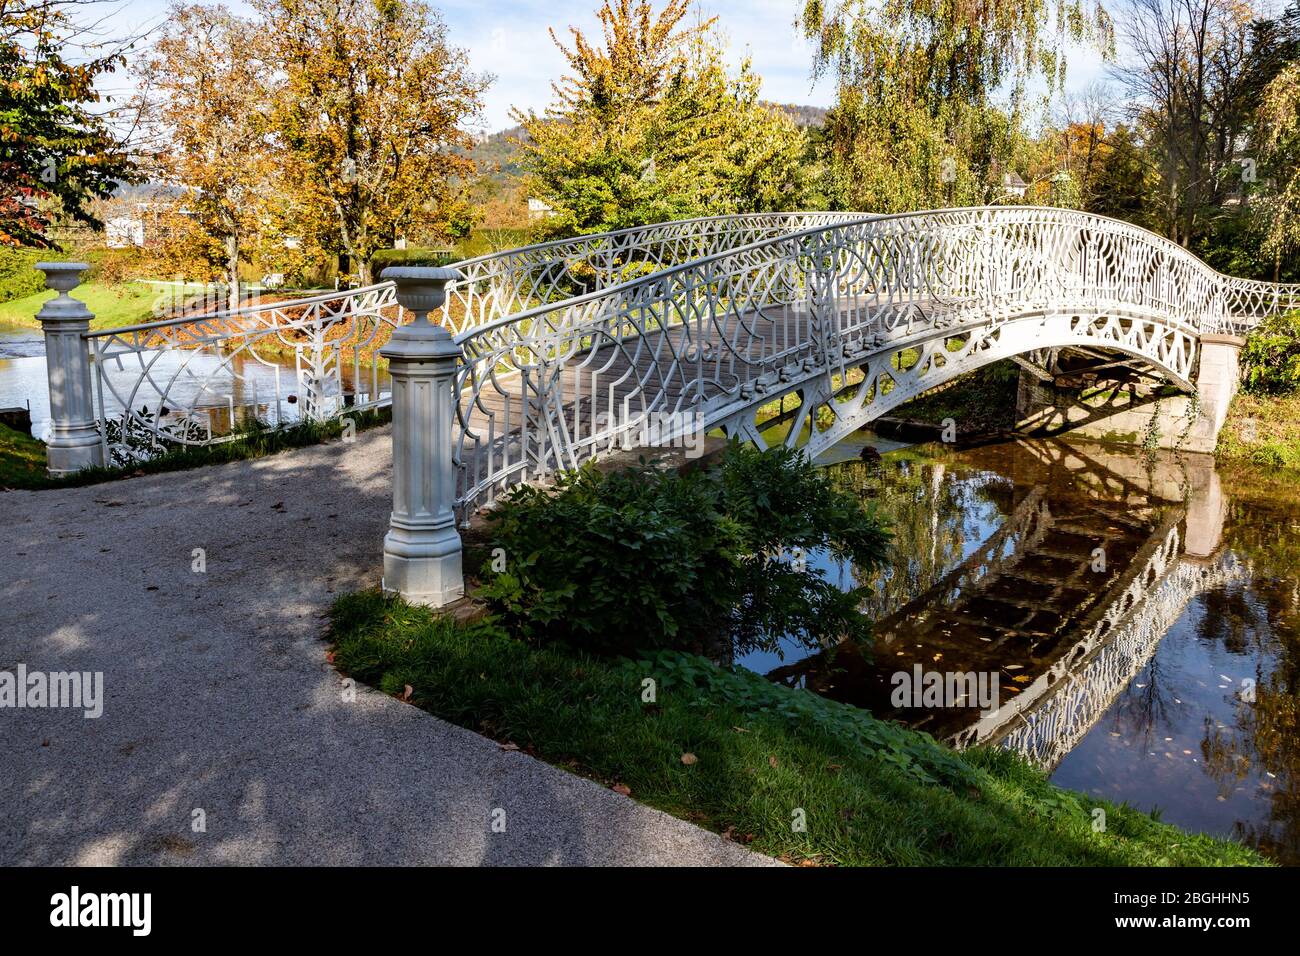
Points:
point(1129, 411)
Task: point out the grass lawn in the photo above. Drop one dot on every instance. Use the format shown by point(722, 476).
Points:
point(126, 303)
point(1264, 431)
point(22, 459)
point(737, 754)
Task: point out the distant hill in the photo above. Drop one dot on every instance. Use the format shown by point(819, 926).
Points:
point(805, 116)
point(497, 156)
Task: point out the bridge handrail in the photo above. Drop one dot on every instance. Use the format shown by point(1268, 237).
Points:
point(512, 280)
point(846, 283)
point(155, 383)
point(1241, 287)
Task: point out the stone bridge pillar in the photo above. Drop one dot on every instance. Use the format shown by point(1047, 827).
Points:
point(75, 442)
point(1217, 378)
point(1133, 413)
point(422, 550)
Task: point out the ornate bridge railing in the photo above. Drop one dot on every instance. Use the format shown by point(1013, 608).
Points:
point(194, 380)
point(694, 345)
point(197, 380)
point(508, 282)
point(831, 304)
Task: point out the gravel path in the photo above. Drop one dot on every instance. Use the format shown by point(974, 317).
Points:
point(218, 698)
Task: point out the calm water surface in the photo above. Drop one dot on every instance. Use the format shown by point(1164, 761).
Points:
point(1142, 618)
point(268, 389)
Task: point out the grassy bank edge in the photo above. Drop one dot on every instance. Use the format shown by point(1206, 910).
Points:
point(746, 758)
point(1262, 431)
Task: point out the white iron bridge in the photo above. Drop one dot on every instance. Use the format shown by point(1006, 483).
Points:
point(570, 349)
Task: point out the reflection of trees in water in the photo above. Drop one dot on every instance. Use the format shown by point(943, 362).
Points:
point(1143, 707)
point(1228, 618)
point(934, 512)
point(1272, 725)
point(1262, 620)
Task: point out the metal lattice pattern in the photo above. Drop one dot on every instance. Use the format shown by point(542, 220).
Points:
point(201, 380)
point(505, 283)
point(195, 381)
point(857, 317)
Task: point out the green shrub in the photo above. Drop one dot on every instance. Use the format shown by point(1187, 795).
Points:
point(648, 558)
point(413, 256)
point(18, 275)
point(1271, 358)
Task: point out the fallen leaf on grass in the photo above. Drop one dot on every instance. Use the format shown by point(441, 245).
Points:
point(772, 761)
point(407, 692)
point(689, 758)
point(622, 788)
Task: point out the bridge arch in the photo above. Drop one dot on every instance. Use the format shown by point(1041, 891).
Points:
point(872, 385)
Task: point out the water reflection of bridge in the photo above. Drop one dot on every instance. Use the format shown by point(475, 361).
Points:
point(1098, 556)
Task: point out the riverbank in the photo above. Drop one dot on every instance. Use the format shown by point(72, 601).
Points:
point(979, 404)
point(1263, 431)
point(113, 305)
point(22, 460)
point(781, 771)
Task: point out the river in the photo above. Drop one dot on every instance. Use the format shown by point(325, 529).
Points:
point(1142, 618)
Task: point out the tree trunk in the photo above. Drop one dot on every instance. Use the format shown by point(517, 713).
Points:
point(232, 271)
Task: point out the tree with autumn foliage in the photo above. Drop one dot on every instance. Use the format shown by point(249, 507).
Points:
point(57, 155)
point(649, 125)
point(916, 123)
point(207, 106)
point(371, 113)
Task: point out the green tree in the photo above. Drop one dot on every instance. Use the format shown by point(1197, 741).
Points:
point(1122, 183)
point(56, 154)
point(649, 125)
point(915, 124)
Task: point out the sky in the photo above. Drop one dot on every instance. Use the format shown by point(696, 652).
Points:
point(509, 39)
